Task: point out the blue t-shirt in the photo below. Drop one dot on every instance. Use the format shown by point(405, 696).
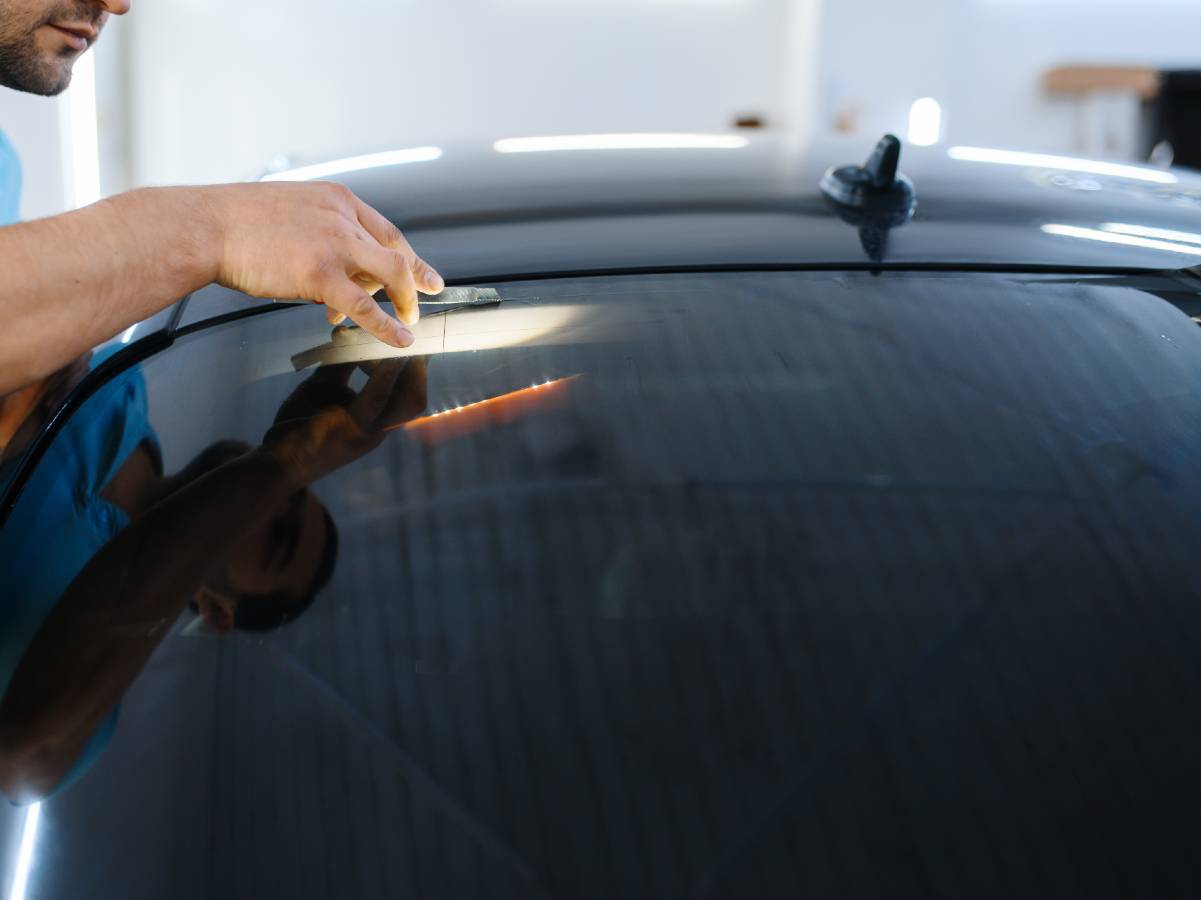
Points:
point(61, 521)
point(10, 182)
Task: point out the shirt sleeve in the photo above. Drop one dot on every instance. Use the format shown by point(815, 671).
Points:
point(10, 182)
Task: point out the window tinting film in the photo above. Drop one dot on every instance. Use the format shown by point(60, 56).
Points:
point(814, 584)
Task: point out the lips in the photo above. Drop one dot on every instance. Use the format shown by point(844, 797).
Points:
point(78, 36)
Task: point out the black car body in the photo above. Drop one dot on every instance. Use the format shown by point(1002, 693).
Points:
point(764, 566)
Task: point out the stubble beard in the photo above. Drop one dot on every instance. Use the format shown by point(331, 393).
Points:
point(24, 66)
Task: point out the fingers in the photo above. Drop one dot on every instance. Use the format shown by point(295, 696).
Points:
point(334, 317)
point(380, 228)
point(350, 299)
point(328, 387)
point(391, 269)
point(425, 276)
point(326, 377)
point(373, 398)
point(395, 393)
point(410, 399)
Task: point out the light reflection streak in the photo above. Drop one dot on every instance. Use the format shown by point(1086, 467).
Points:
point(621, 142)
point(29, 838)
point(357, 164)
point(1162, 234)
point(1067, 163)
point(1127, 240)
point(503, 408)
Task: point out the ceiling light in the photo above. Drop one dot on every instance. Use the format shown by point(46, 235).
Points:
point(925, 122)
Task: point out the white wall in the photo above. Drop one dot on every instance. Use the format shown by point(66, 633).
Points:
point(984, 61)
point(210, 90)
point(40, 129)
point(222, 86)
point(112, 105)
point(998, 98)
point(34, 126)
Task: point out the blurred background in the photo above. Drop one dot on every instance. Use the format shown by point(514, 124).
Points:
point(195, 91)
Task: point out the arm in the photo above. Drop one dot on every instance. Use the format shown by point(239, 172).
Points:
point(75, 280)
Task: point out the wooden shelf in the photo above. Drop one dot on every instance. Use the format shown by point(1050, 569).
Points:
point(1137, 80)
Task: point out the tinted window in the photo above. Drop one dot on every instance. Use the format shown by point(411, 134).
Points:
point(730, 585)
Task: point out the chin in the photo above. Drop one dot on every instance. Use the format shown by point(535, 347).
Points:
point(50, 86)
point(46, 74)
point(57, 75)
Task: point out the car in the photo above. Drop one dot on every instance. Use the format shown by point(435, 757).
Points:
point(746, 520)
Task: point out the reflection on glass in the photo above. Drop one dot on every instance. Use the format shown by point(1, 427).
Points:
point(248, 545)
point(25, 412)
point(357, 164)
point(1158, 234)
point(557, 143)
point(789, 536)
point(1068, 163)
point(1128, 240)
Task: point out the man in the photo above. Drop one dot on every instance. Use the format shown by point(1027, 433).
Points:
point(72, 281)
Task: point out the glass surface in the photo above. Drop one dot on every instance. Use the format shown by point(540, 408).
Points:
point(726, 585)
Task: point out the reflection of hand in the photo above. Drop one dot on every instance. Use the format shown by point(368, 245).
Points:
point(325, 425)
point(319, 242)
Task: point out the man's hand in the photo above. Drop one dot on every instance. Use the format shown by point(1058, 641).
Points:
point(319, 242)
point(69, 282)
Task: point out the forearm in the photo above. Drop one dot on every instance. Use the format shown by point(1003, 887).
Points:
point(70, 282)
point(73, 281)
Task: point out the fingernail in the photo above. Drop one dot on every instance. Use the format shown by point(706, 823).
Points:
point(434, 281)
point(404, 337)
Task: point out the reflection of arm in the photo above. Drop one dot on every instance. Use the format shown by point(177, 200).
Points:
point(101, 633)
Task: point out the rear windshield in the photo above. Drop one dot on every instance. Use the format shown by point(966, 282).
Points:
point(716, 585)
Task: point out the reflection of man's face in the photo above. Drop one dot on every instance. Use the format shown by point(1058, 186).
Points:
point(283, 555)
point(41, 39)
point(279, 559)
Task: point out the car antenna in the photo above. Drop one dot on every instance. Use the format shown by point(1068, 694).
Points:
point(874, 197)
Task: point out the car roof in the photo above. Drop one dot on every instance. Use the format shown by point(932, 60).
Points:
point(572, 204)
point(498, 210)
point(492, 210)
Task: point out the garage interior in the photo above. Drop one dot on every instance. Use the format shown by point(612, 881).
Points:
point(211, 91)
point(297, 83)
